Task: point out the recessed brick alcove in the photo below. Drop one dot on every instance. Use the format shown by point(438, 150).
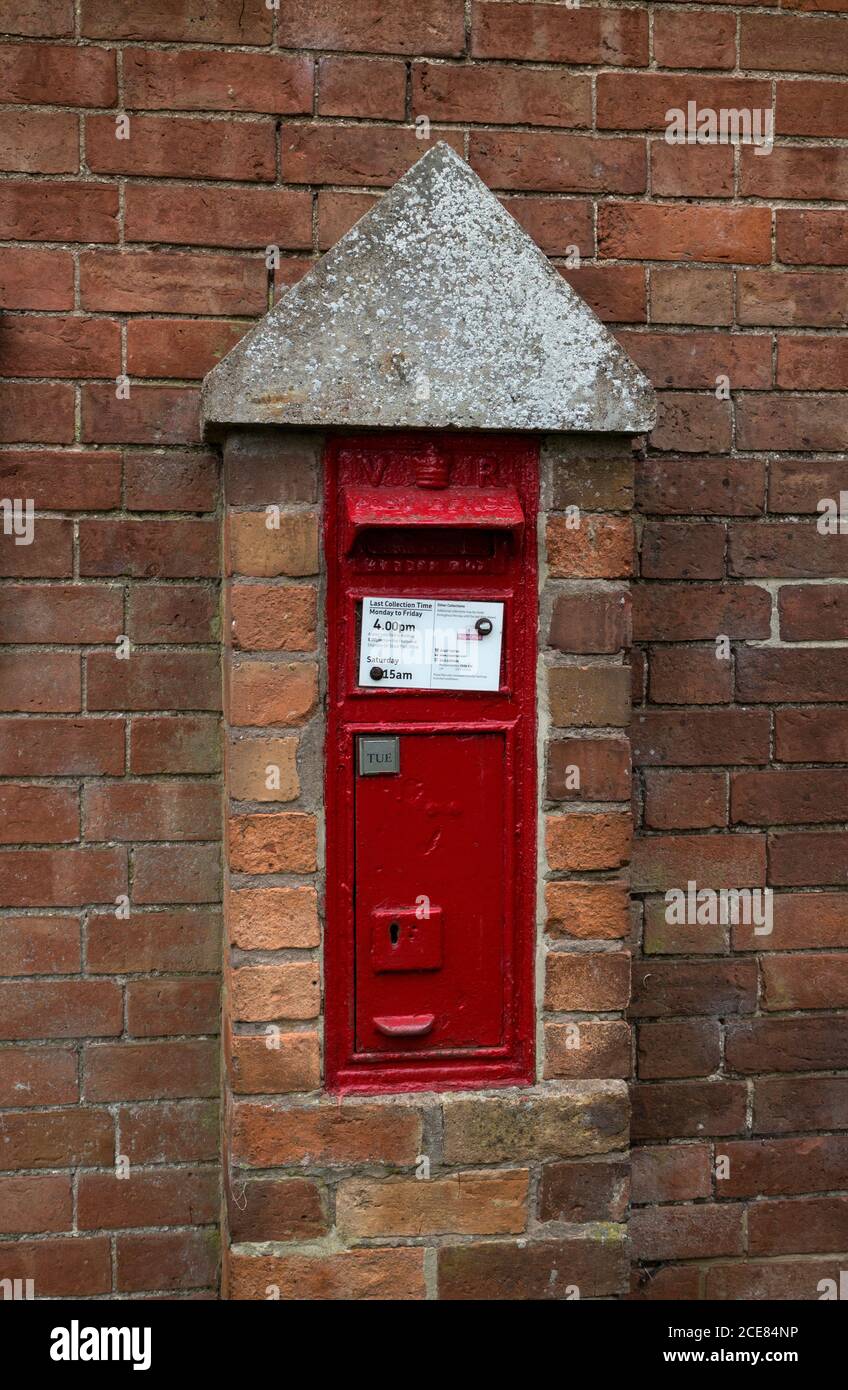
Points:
point(455, 1192)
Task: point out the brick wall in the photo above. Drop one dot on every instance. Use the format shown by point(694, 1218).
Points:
point(146, 256)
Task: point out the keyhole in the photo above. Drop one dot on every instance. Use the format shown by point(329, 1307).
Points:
point(394, 933)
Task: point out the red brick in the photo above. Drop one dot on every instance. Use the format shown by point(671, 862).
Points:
point(795, 172)
point(603, 767)
point(361, 87)
point(812, 364)
point(172, 1260)
point(149, 549)
point(273, 617)
point(688, 1109)
point(40, 682)
point(745, 1280)
point(531, 1269)
point(257, 1069)
point(148, 415)
point(685, 987)
point(551, 34)
point(273, 842)
point(775, 1166)
point(35, 279)
point(35, 613)
point(690, 423)
point(812, 236)
point(38, 142)
point(811, 858)
point(641, 100)
point(801, 919)
point(590, 622)
point(184, 613)
point(177, 874)
point(38, 815)
point(175, 743)
point(348, 1275)
point(58, 75)
point(61, 1268)
point(326, 1135)
point(277, 1209)
point(261, 468)
point(179, 1131)
point(794, 44)
point(35, 1204)
point(166, 1197)
point(700, 737)
point(59, 211)
point(787, 1105)
point(174, 480)
point(171, 810)
point(156, 1008)
point(814, 1225)
point(60, 747)
point(673, 1173)
point(588, 983)
point(616, 293)
point(581, 1192)
point(787, 299)
point(353, 154)
point(38, 1076)
point(684, 1232)
point(682, 171)
point(66, 480)
point(40, 945)
point(811, 108)
point(688, 612)
point(498, 94)
point(337, 213)
point(683, 550)
point(600, 548)
point(680, 1048)
point(587, 911)
point(720, 861)
point(707, 40)
point(815, 674)
point(811, 735)
point(153, 941)
point(602, 1051)
point(691, 295)
point(786, 796)
point(154, 680)
point(662, 938)
point(151, 1070)
point(57, 1138)
point(634, 231)
point(798, 485)
point(699, 359)
point(182, 147)
point(36, 413)
point(279, 84)
point(817, 981)
point(685, 800)
point(184, 348)
point(48, 556)
point(715, 487)
point(372, 26)
point(558, 163)
point(170, 281)
point(231, 217)
point(813, 613)
point(702, 678)
point(579, 841)
point(75, 1008)
point(28, 17)
point(188, 21)
point(787, 1044)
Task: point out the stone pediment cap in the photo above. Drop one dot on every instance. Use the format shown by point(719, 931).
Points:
point(435, 311)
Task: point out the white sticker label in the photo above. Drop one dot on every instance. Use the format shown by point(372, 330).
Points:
point(431, 644)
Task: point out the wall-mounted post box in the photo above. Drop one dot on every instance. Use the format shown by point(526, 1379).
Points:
point(431, 768)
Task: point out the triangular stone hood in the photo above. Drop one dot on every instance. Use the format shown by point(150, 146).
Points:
point(435, 311)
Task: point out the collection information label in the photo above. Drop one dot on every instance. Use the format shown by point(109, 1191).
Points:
point(431, 644)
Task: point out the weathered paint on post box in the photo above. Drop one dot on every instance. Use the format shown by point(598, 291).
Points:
point(431, 868)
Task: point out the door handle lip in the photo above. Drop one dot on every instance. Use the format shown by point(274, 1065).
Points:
point(404, 1025)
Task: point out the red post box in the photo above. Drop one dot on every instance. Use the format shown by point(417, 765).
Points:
point(430, 760)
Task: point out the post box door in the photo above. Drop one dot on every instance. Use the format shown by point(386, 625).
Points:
point(431, 910)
